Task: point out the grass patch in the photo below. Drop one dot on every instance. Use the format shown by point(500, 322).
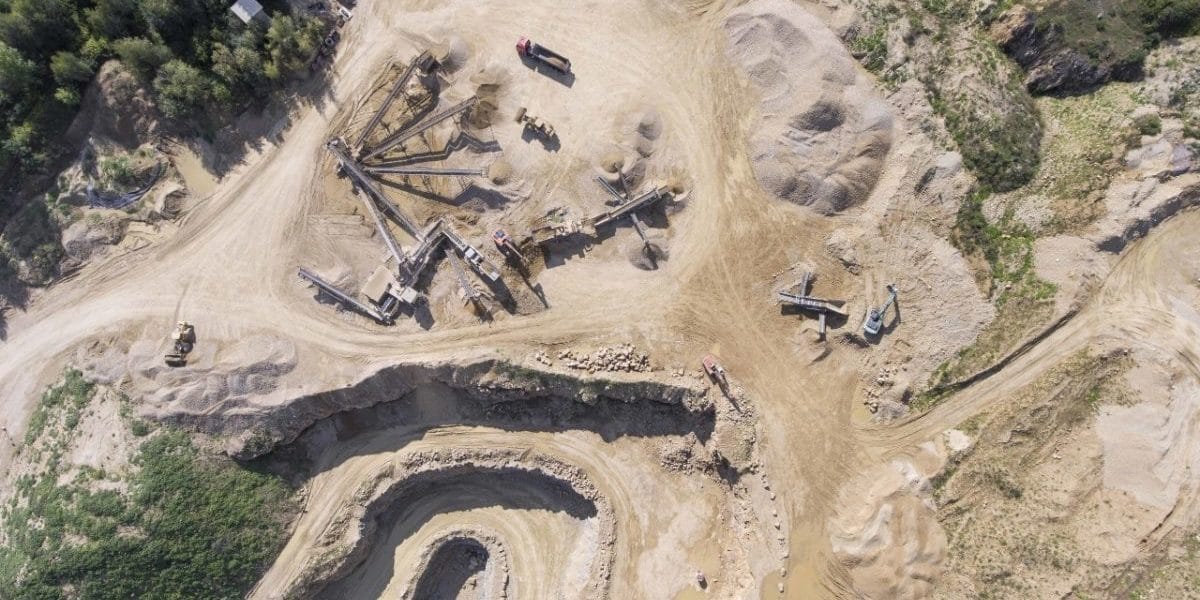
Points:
point(1148, 124)
point(995, 125)
point(185, 524)
point(871, 50)
point(1081, 153)
point(1014, 531)
point(1105, 31)
point(1007, 248)
point(1024, 302)
point(65, 400)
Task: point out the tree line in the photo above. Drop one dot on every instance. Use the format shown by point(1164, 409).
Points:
point(200, 61)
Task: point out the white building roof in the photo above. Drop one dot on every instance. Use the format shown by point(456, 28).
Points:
point(246, 10)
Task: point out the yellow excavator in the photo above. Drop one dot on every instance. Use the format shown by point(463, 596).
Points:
point(183, 338)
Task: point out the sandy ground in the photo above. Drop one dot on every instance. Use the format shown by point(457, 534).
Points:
point(230, 269)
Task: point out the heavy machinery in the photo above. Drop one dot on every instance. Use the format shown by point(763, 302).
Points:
point(874, 323)
point(506, 246)
point(538, 125)
point(558, 62)
point(715, 371)
point(798, 296)
point(182, 339)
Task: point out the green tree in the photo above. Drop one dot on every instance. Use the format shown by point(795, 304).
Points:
point(290, 43)
point(95, 48)
point(1172, 17)
point(183, 90)
point(46, 27)
point(24, 146)
point(142, 56)
point(175, 22)
point(16, 71)
point(241, 67)
point(67, 96)
point(68, 68)
point(113, 19)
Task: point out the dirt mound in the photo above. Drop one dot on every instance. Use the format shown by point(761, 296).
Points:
point(499, 172)
point(217, 377)
point(115, 106)
point(489, 83)
point(821, 139)
point(86, 237)
point(457, 53)
point(886, 533)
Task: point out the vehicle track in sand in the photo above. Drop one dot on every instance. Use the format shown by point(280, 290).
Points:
point(1133, 303)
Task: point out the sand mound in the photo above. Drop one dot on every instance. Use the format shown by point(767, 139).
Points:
point(116, 107)
point(457, 54)
point(648, 258)
point(822, 134)
point(499, 172)
point(612, 161)
point(228, 375)
point(488, 82)
point(886, 534)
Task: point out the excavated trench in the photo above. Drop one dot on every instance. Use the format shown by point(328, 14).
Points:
point(408, 454)
point(484, 392)
point(522, 500)
point(454, 566)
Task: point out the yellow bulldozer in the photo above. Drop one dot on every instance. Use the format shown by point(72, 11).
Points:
point(183, 339)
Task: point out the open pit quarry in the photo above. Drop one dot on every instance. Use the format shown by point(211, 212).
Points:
point(462, 414)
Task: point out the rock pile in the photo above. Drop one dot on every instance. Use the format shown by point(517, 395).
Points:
point(621, 358)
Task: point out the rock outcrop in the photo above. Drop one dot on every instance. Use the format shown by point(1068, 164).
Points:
point(1051, 65)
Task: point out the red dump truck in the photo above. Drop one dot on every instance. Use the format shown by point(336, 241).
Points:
point(527, 47)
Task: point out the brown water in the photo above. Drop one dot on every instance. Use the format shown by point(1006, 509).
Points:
point(199, 180)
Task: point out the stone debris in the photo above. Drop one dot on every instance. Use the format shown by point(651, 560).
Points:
point(623, 358)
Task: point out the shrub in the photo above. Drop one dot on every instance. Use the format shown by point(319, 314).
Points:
point(871, 50)
point(1171, 17)
point(1148, 124)
point(191, 526)
point(142, 56)
point(183, 90)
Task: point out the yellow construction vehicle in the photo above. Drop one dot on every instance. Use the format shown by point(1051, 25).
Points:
point(183, 339)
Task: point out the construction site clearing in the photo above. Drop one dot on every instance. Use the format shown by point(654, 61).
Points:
point(420, 155)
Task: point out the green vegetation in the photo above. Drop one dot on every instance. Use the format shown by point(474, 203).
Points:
point(976, 90)
point(1004, 251)
point(116, 171)
point(1079, 157)
point(997, 129)
point(1002, 481)
point(1107, 32)
point(33, 237)
point(1149, 124)
point(66, 399)
point(871, 50)
point(1007, 248)
point(1170, 18)
point(201, 61)
point(1115, 33)
point(180, 524)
